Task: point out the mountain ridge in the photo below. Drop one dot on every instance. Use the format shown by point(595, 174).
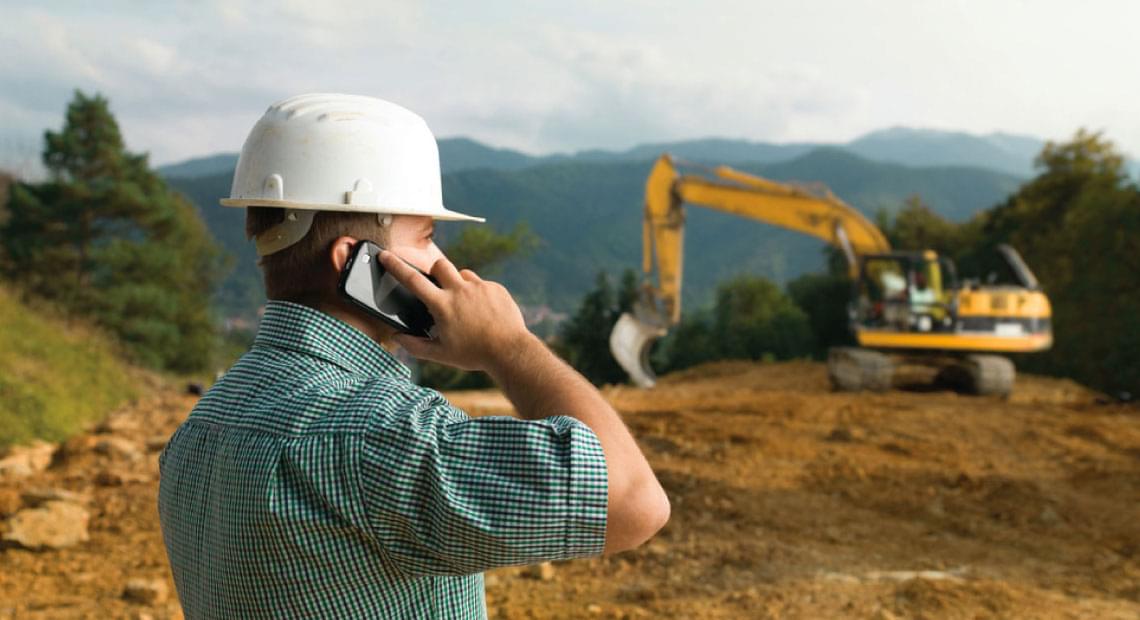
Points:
point(1009, 153)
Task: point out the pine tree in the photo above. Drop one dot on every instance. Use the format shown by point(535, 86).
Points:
point(106, 238)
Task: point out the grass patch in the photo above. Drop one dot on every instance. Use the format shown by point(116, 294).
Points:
point(56, 375)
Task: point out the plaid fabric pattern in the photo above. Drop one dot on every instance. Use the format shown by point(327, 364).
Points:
point(315, 480)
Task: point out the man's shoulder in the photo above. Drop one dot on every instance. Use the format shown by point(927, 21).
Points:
point(301, 395)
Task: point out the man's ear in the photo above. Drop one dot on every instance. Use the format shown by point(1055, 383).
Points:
point(339, 252)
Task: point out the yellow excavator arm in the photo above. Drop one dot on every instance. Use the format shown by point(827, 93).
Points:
point(817, 213)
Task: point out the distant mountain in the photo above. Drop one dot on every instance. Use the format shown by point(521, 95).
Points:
point(200, 166)
point(927, 147)
point(454, 154)
point(588, 215)
point(708, 150)
point(1007, 153)
point(955, 192)
point(465, 154)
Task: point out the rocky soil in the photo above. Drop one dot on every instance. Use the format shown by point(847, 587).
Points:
point(789, 501)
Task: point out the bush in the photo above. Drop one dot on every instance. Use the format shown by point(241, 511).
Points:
point(751, 319)
point(824, 298)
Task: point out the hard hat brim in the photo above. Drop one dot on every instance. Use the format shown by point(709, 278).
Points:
point(441, 213)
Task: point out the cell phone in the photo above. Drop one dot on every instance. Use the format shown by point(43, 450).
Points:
point(366, 283)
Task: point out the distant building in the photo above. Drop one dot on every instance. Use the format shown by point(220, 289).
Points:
point(533, 315)
point(237, 323)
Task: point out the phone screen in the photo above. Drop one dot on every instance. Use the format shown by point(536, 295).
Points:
point(366, 283)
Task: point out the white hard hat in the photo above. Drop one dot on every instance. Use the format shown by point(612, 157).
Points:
point(329, 152)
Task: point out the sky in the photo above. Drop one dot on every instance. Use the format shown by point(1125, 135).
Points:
point(188, 79)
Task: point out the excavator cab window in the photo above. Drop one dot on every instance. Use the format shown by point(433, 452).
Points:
point(883, 292)
point(906, 293)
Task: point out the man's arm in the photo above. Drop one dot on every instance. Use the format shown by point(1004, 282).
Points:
point(539, 384)
point(480, 327)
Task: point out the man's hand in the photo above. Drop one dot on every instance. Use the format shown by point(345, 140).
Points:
point(477, 322)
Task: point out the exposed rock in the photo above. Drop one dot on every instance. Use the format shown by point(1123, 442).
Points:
point(54, 525)
point(118, 423)
point(119, 477)
point(155, 443)
point(118, 447)
point(912, 575)
point(39, 496)
point(657, 549)
point(14, 469)
point(1049, 516)
point(840, 434)
point(76, 446)
point(542, 572)
point(10, 502)
point(146, 591)
point(21, 461)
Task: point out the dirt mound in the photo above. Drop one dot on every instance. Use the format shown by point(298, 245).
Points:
point(789, 501)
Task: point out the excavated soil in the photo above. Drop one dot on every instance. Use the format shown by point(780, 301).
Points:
point(789, 501)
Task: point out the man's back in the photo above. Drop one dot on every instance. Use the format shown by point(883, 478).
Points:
point(315, 480)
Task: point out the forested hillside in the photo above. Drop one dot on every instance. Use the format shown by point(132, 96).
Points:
point(588, 217)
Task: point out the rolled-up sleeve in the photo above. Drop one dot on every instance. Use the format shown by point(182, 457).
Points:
point(448, 494)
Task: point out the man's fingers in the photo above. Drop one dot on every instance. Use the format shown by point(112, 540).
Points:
point(469, 275)
point(415, 281)
point(445, 272)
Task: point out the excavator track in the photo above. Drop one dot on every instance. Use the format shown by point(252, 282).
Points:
point(983, 375)
point(852, 369)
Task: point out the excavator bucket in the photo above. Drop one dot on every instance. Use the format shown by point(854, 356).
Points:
point(630, 342)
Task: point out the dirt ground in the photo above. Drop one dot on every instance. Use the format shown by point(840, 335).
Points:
point(789, 501)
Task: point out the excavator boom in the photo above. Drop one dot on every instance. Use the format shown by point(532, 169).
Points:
point(817, 213)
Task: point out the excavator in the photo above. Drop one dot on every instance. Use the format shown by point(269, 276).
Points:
point(907, 307)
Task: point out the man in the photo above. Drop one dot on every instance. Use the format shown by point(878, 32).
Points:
point(314, 479)
point(922, 304)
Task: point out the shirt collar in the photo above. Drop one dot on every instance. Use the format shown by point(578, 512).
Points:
point(293, 326)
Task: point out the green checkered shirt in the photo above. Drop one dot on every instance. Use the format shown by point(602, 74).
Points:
point(315, 480)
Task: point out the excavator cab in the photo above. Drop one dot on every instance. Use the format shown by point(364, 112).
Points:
point(906, 291)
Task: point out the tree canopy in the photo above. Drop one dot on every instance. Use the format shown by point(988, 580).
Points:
point(1077, 224)
point(106, 238)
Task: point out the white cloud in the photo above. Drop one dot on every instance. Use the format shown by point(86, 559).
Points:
point(190, 79)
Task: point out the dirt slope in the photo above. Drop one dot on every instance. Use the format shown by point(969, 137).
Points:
point(789, 501)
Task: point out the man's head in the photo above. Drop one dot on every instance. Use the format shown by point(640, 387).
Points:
point(307, 272)
point(319, 172)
